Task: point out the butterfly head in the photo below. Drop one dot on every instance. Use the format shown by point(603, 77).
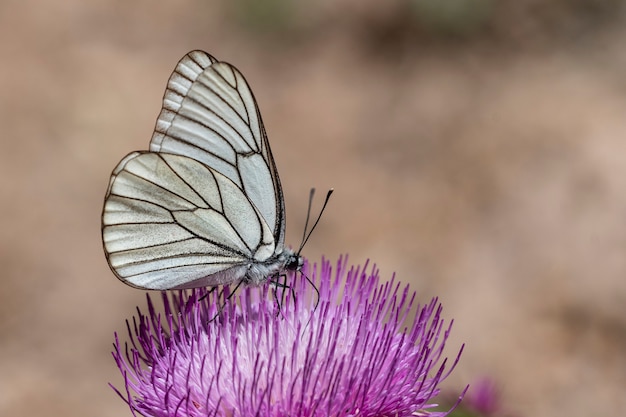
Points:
point(294, 262)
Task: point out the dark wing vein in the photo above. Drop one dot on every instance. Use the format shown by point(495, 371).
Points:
point(193, 187)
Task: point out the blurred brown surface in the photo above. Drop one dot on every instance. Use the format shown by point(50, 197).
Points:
point(478, 153)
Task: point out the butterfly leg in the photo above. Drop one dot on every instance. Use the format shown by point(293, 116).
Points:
point(226, 300)
point(317, 292)
point(278, 284)
point(207, 293)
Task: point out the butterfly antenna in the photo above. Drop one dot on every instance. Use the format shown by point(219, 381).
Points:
point(308, 216)
point(305, 235)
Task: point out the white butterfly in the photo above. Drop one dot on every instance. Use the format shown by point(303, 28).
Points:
point(204, 206)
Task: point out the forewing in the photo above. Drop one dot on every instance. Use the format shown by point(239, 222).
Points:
point(171, 222)
point(209, 114)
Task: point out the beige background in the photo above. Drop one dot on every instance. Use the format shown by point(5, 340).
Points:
point(479, 153)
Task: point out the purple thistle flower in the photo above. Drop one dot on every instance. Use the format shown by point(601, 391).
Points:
point(359, 353)
point(484, 397)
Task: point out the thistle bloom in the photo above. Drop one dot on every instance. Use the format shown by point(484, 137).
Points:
point(361, 348)
point(483, 399)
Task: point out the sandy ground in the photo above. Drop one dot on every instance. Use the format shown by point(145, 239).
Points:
point(492, 175)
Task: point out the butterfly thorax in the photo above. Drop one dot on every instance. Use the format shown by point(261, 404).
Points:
point(277, 264)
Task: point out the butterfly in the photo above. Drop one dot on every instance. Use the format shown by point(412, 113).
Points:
point(204, 206)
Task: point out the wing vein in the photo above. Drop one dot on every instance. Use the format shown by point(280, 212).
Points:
point(183, 140)
point(159, 186)
point(189, 185)
point(213, 112)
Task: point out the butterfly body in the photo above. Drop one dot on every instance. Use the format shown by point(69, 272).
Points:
point(204, 206)
point(275, 265)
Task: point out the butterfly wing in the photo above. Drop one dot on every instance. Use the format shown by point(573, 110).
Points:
point(209, 114)
point(206, 203)
point(171, 222)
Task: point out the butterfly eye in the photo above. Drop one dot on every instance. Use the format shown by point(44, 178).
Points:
point(294, 263)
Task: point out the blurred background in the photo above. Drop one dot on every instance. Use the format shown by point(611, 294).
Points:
point(477, 149)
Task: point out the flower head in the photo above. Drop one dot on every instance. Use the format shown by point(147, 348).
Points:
point(360, 350)
point(483, 399)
